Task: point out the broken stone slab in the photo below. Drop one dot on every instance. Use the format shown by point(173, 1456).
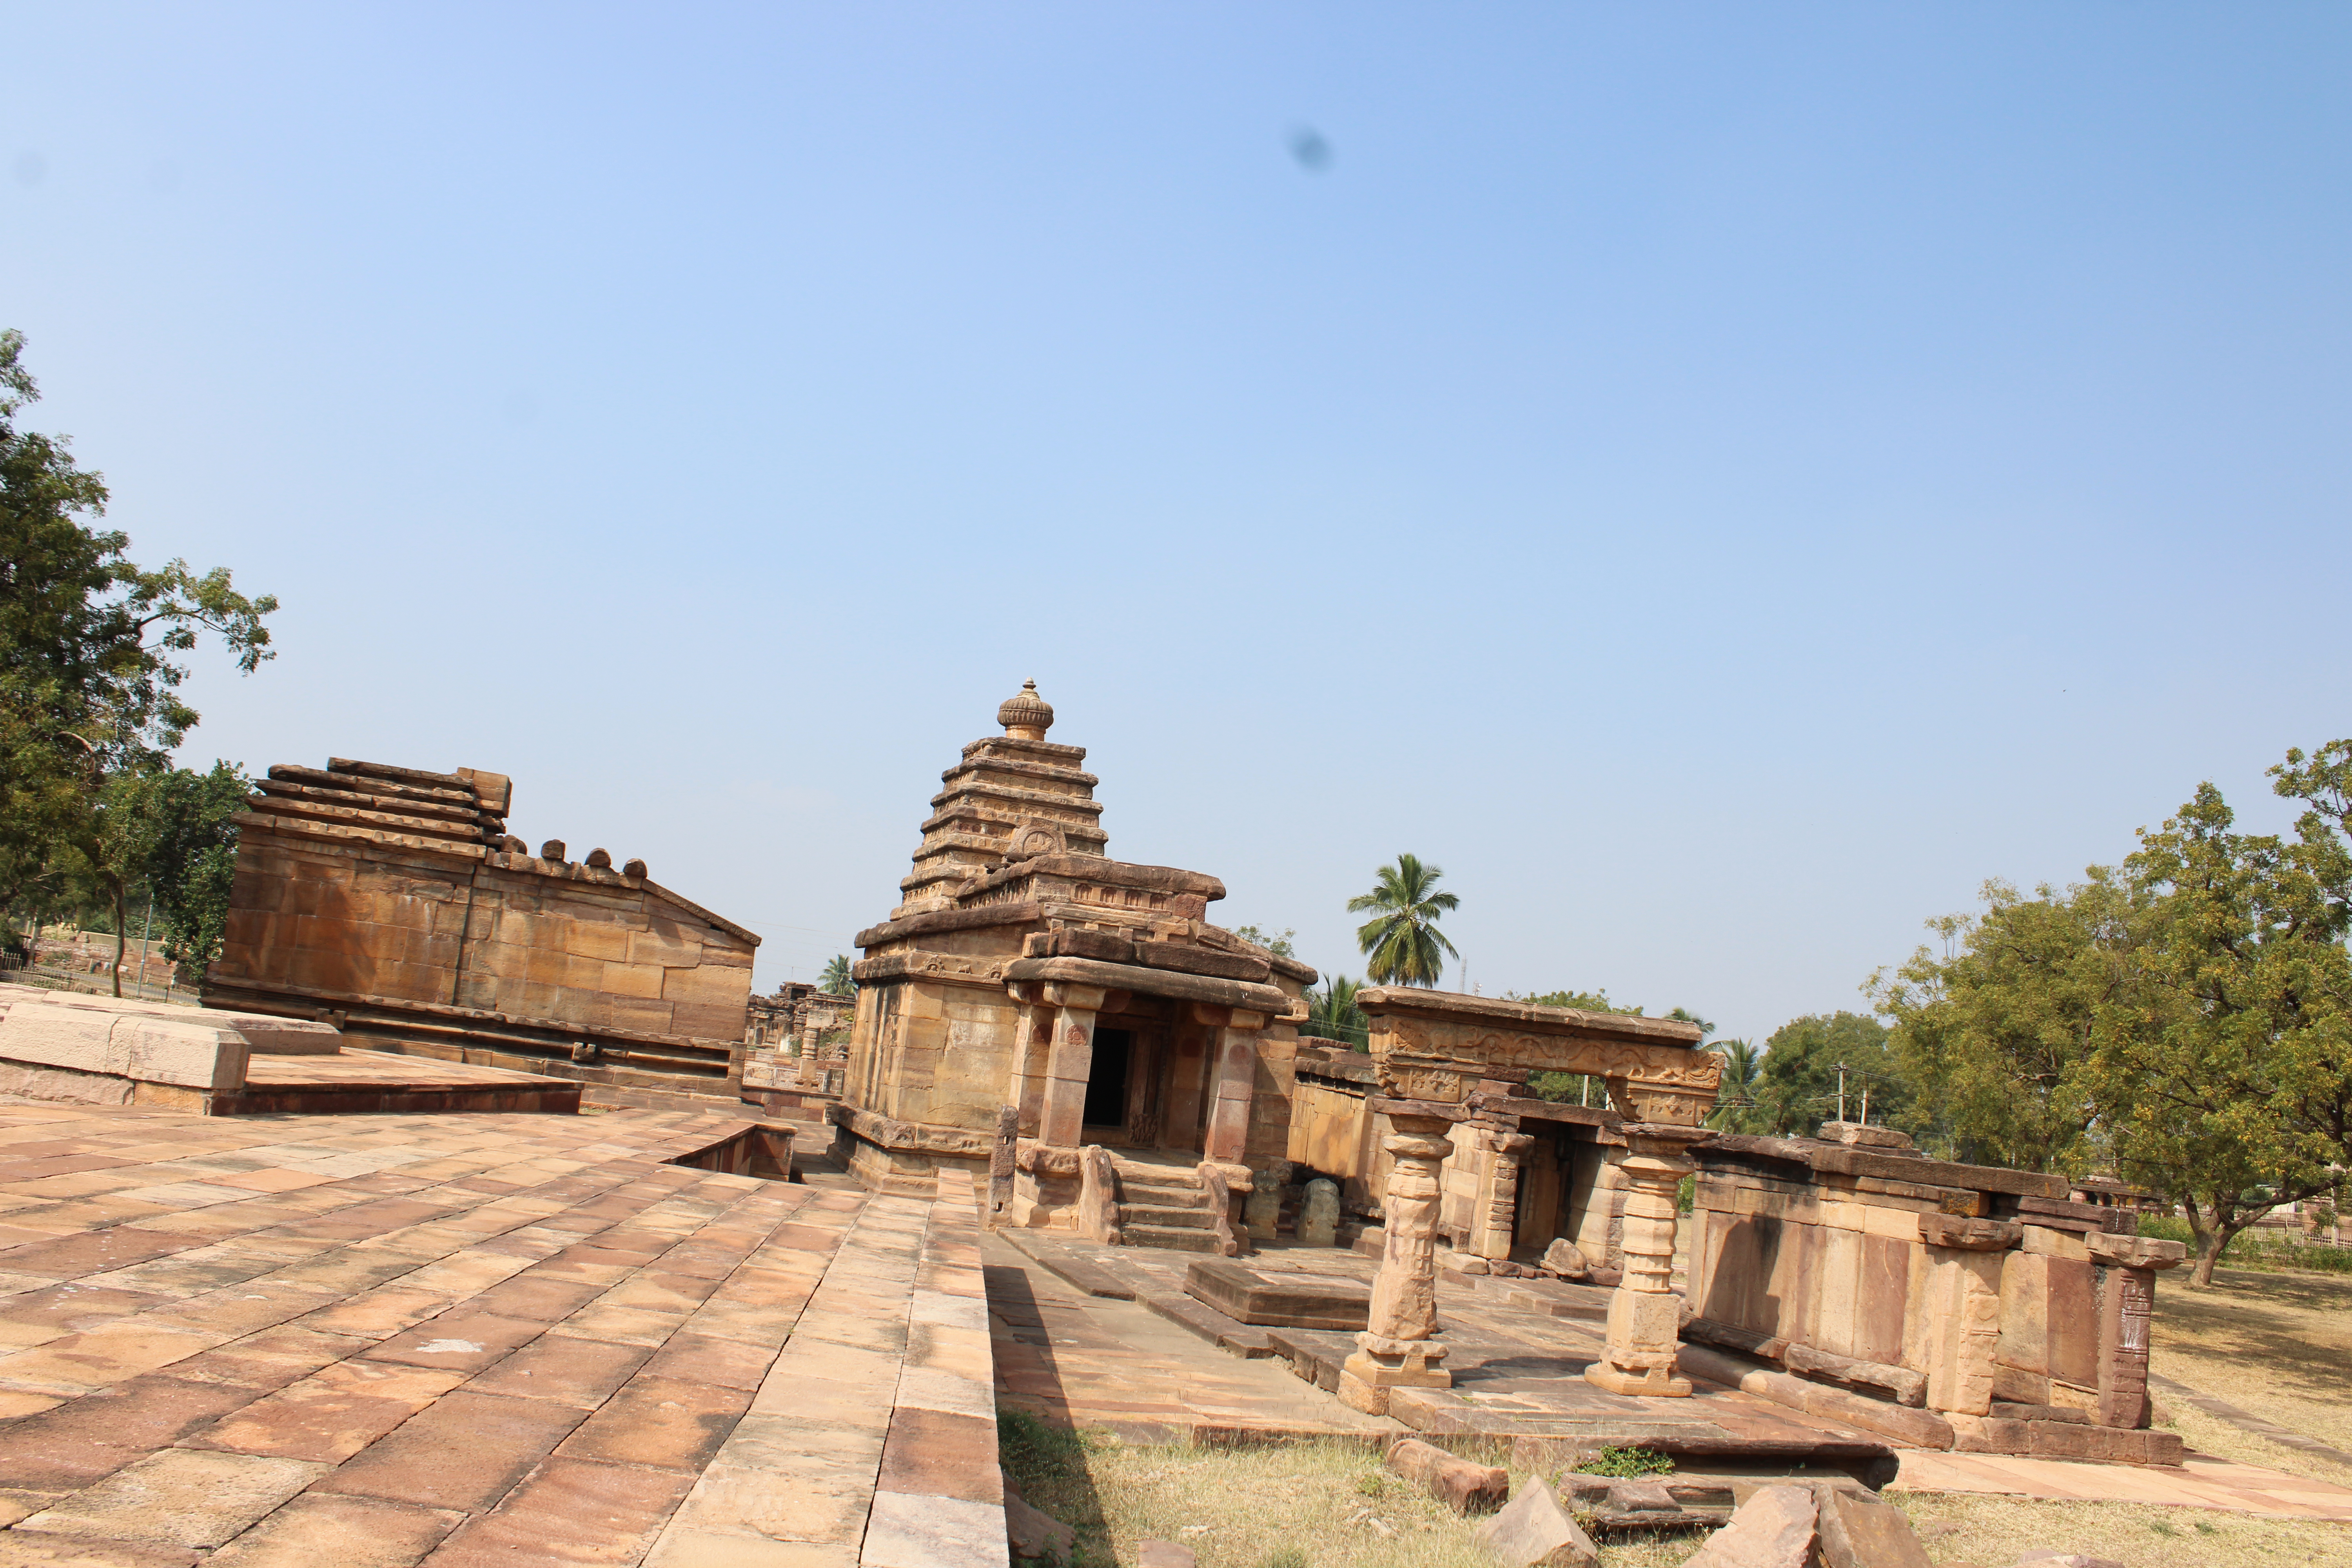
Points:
point(1535, 1531)
point(1456, 1482)
point(1776, 1528)
point(1864, 1533)
point(2045, 1557)
point(1165, 1554)
point(1034, 1535)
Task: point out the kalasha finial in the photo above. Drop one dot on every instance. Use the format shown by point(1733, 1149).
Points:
point(1025, 715)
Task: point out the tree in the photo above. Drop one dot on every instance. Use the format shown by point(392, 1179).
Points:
point(2186, 1015)
point(90, 672)
point(1281, 946)
point(836, 980)
point(1735, 1109)
point(1992, 1037)
point(2222, 1067)
point(1332, 1013)
point(1402, 944)
point(192, 865)
point(1797, 1087)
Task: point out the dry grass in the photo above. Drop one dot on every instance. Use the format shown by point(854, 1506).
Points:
point(1995, 1531)
point(2277, 1345)
point(1331, 1505)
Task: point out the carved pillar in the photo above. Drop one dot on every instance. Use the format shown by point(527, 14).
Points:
point(1233, 1080)
point(1062, 1115)
point(1498, 1209)
point(1397, 1349)
point(2128, 1266)
point(1644, 1311)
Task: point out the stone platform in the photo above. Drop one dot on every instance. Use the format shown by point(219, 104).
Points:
point(477, 1338)
point(364, 1081)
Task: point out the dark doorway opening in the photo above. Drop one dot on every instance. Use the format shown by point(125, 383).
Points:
point(1107, 1082)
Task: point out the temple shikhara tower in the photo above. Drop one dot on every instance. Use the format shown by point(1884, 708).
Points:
point(1031, 991)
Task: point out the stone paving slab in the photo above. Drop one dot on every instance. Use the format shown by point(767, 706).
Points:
point(2200, 1482)
point(471, 1338)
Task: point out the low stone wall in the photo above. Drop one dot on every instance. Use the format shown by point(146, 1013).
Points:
point(1979, 1301)
point(105, 1050)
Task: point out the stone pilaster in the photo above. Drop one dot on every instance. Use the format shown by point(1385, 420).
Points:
point(1963, 1307)
point(1644, 1311)
point(1232, 1080)
point(1398, 1348)
point(1499, 1206)
point(1062, 1116)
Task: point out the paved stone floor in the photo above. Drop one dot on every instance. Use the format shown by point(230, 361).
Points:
point(1089, 1362)
point(376, 1341)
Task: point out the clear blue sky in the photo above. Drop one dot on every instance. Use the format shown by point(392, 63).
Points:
point(1720, 480)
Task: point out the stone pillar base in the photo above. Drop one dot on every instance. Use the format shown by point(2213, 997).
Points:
point(1380, 1363)
point(1654, 1382)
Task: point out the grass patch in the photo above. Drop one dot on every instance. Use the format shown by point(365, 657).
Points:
point(1624, 1464)
point(1334, 1505)
point(2276, 1345)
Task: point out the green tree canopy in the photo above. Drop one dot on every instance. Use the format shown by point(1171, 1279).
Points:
point(1282, 946)
point(1797, 1085)
point(1993, 1035)
point(1736, 1108)
point(1332, 1013)
point(90, 665)
point(1402, 944)
point(836, 981)
point(2185, 1016)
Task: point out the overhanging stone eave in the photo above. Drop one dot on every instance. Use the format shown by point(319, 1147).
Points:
point(1170, 983)
point(1568, 1023)
point(934, 921)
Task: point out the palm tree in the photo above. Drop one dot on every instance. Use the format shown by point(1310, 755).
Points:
point(1401, 943)
point(836, 981)
point(1332, 1013)
point(1735, 1098)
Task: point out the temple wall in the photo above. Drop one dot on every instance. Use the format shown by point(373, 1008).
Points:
point(345, 917)
point(350, 919)
point(2018, 1327)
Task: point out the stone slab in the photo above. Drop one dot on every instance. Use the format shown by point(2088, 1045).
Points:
point(1283, 1300)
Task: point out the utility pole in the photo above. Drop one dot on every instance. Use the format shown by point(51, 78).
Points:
point(1841, 1067)
point(1865, 1102)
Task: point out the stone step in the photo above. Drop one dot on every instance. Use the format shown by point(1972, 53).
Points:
point(1174, 1218)
point(1169, 1238)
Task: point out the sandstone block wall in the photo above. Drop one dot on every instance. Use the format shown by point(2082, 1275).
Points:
point(396, 891)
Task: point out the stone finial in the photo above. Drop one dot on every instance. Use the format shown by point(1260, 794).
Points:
point(551, 850)
point(600, 858)
point(1025, 715)
point(633, 869)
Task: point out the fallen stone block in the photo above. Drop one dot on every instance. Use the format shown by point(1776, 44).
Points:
point(1535, 1531)
point(1034, 1536)
point(2047, 1558)
point(1862, 1532)
point(1776, 1528)
point(1457, 1483)
point(1165, 1554)
point(1565, 1259)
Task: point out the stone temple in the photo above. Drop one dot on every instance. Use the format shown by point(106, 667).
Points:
point(1029, 988)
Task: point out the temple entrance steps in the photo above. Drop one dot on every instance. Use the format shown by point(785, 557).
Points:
point(1164, 1207)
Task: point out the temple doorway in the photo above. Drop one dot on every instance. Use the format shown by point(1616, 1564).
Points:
point(1107, 1082)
